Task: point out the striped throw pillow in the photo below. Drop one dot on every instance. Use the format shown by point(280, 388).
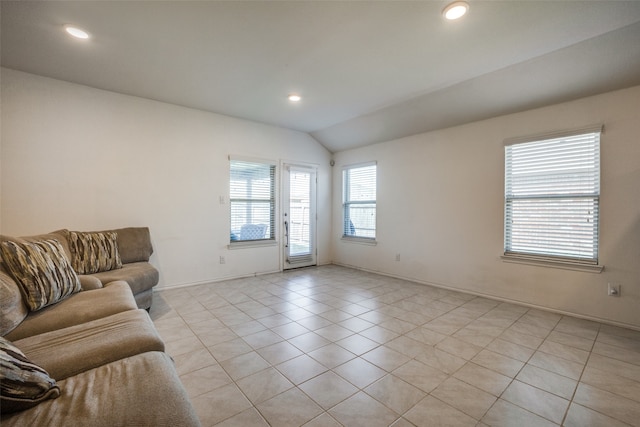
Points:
point(94, 252)
point(22, 383)
point(42, 270)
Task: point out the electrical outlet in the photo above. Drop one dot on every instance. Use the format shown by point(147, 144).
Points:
point(397, 257)
point(222, 260)
point(613, 289)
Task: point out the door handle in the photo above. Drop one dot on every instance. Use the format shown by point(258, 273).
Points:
point(286, 233)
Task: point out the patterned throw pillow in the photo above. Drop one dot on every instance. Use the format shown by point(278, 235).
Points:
point(94, 252)
point(22, 384)
point(42, 269)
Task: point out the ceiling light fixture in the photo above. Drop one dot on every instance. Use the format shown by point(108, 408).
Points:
point(456, 10)
point(76, 32)
point(294, 98)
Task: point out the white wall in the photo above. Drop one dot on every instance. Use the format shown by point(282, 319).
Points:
point(85, 159)
point(440, 205)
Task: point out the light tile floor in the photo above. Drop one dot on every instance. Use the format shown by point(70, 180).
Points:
point(333, 346)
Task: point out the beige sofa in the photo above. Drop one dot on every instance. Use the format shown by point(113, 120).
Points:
point(134, 249)
point(104, 359)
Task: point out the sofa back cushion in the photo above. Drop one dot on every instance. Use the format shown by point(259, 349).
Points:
point(42, 269)
point(60, 235)
point(12, 308)
point(134, 244)
point(93, 252)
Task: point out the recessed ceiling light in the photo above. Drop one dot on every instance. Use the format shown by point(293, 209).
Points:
point(294, 97)
point(456, 10)
point(76, 32)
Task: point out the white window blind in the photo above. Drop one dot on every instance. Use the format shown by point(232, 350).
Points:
point(252, 200)
point(359, 201)
point(552, 194)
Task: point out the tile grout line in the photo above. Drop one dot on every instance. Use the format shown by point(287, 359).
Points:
point(331, 295)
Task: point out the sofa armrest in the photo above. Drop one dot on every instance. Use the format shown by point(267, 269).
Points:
point(89, 282)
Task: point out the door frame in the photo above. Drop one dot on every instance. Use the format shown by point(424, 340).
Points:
point(286, 166)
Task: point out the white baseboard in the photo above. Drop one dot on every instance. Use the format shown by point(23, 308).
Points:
point(415, 280)
point(497, 298)
point(211, 281)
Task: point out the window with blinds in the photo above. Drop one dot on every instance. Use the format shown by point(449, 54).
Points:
point(552, 195)
point(359, 201)
point(252, 201)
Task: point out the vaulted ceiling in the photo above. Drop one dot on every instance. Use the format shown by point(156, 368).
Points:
point(367, 71)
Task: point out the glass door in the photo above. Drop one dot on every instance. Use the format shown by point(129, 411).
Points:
point(299, 216)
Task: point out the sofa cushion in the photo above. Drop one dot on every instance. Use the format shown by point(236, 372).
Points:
point(134, 244)
point(70, 351)
point(12, 307)
point(79, 308)
point(94, 252)
point(142, 390)
point(23, 383)
point(141, 276)
point(42, 269)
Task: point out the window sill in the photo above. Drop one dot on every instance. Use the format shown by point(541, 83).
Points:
point(251, 244)
point(359, 240)
point(545, 262)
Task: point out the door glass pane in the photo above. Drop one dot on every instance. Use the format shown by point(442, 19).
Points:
point(300, 213)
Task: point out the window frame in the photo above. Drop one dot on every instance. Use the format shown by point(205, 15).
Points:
point(347, 203)
point(549, 259)
point(271, 239)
